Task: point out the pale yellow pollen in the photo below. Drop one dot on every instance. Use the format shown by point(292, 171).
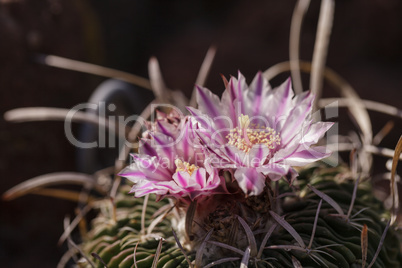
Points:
point(185, 166)
point(247, 135)
point(244, 121)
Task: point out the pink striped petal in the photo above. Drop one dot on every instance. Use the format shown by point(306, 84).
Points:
point(307, 156)
point(295, 121)
point(274, 171)
point(258, 155)
point(208, 102)
point(181, 178)
point(250, 180)
point(199, 176)
point(257, 88)
point(283, 98)
point(146, 148)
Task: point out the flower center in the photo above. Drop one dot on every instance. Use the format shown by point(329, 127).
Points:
point(247, 135)
point(185, 166)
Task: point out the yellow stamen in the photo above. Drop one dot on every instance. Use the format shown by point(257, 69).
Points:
point(247, 135)
point(244, 121)
point(185, 166)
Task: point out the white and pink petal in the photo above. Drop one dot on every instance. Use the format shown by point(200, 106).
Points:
point(250, 180)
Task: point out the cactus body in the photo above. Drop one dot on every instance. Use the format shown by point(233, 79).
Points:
point(337, 241)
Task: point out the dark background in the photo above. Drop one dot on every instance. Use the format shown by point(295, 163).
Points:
point(365, 48)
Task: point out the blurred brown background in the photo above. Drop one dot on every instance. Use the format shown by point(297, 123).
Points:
point(365, 48)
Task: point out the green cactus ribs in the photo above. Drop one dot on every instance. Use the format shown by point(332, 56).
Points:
point(134, 241)
point(338, 239)
point(119, 243)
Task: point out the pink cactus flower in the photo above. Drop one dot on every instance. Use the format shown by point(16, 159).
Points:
point(257, 132)
point(171, 162)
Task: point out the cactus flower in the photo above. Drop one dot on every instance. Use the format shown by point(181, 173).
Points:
point(258, 132)
point(169, 162)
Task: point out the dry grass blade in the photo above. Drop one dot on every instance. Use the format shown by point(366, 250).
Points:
point(61, 194)
point(288, 228)
point(135, 252)
point(143, 213)
point(339, 147)
point(250, 237)
point(179, 100)
point(79, 66)
point(222, 245)
point(96, 256)
point(59, 114)
point(206, 66)
point(287, 247)
point(113, 209)
point(294, 43)
point(189, 219)
point(163, 210)
point(200, 251)
point(364, 245)
point(158, 219)
point(313, 256)
point(296, 263)
point(281, 67)
point(265, 240)
point(113, 192)
point(325, 253)
point(105, 173)
point(383, 132)
point(66, 258)
point(353, 161)
point(356, 106)
point(352, 202)
point(321, 47)
point(66, 222)
point(71, 243)
point(145, 114)
point(384, 234)
point(50, 179)
point(132, 136)
point(233, 233)
point(221, 261)
point(368, 104)
point(182, 249)
point(381, 151)
point(327, 246)
point(157, 254)
point(360, 211)
point(68, 229)
point(156, 79)
point(383, 108)
point(318, 260)
point(394, 186)
point(315, 225)
point(246, 258)
point(360, 116)
point(203, 73)
point(328, 199)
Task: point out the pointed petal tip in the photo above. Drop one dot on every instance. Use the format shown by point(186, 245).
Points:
point(225, 81)
point(193, 111)
point(258, 77)
point(199, 88)
point(240, 75)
